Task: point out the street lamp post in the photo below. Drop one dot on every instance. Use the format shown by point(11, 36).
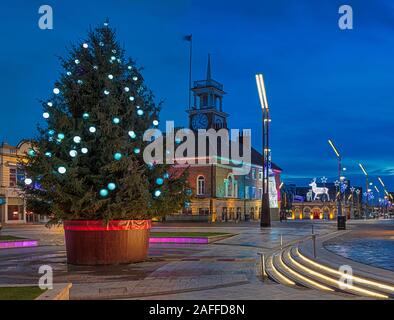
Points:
point(366, 188)
point(341, 222)
point(265, 217)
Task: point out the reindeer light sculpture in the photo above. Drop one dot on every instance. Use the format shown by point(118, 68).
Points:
point(318, 191)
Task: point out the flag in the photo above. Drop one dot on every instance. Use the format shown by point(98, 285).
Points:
point(187, 37)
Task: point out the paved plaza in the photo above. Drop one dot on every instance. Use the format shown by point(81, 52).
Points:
point(226, 269)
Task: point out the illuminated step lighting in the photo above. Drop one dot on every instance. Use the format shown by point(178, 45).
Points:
point(355, 278)
point(296, 274)
point(281, 276)
point(337, 282)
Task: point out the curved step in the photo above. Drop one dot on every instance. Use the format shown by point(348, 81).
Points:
point(275, 275)
point(361, 282)
point(294, 276)
point(331, 281)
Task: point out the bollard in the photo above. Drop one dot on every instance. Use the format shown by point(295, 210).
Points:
point(281, 241)
point(314, 245)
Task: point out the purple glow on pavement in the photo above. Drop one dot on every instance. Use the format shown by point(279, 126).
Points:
point(178, 240)
point(18, 244)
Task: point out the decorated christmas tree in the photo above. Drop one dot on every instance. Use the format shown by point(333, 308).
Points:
point(87, 163)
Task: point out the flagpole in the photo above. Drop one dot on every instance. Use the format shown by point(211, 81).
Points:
point(190, 70)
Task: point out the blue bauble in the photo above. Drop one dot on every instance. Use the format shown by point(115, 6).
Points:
point(103, 193)
point(116, 120)
point(111, 186)
point(117, 156)
point(159, 181)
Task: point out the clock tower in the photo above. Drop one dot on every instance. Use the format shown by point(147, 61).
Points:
point(206, 111)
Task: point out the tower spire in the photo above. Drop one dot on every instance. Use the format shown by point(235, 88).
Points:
point(209, 77)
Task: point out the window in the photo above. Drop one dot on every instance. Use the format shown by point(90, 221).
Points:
point(260, 194)
point(247, 192)
point(200, 185)
point(253, 193)
point(261, 175)
point(203, 211)
point(16, 175)
point(12, 177)
point(254, 173)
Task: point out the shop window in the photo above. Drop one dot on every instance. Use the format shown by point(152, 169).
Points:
point(15, 212)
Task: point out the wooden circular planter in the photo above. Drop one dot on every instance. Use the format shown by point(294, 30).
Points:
point(92, 242)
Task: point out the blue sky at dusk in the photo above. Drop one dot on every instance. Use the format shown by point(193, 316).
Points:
point(322, 82)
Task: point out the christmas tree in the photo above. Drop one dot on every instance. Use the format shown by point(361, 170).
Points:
point(87, 162)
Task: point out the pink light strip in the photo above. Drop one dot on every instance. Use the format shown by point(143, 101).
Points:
point(18, 244)
point(178, 240)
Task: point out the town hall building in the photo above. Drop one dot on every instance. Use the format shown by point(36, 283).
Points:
point(218, 194)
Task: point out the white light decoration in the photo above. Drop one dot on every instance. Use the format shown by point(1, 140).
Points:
point(48, 154)
point(92, 129)
point(60, 136)
point(79, 81)
point(129, 67)
point(131, 98)
point(68, 73)
point(84, 150)
point(61, 170)
point(157, 193)
point(137, 150)
point(101, 44)
point(113, 51)
point(132, 134)
point(113, 58)
point(105, 24)
point(45, 115)
point(85, 45)
point(56, 91)
point(95, 67)
point(140, 112)
point(106, 92)
point(49, 104)
point(135, 78)
point(73, 153)
point(127, 89)
point(28, 181)
point(77, 139)
point(116, 120)
point(155, 122)
point(85, 116)
point(110, 76)
point(76, 61)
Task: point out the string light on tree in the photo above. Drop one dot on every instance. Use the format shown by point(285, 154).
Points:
point(62, 170)
point(106, 92)
point(132, 134)
point(85, 45)
point(137, 150)
point(110, 76)
point(77, 139)
point(140, 112)
point(84, 150)
point(131, 98)
point(104, 193)
point(155, 122)
point(49, 104)
point(56, 91)
point(76, 61)
point(73, 153)
point(126, 89)
point(159, 181)
point(117, 156)
point(85, 116)
point(157, 193)
point(48, 154)
point(28, 181)
point(92, 129)
point(116, 120)
point(45, 115)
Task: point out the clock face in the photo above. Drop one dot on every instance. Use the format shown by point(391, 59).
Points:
point(200, 121)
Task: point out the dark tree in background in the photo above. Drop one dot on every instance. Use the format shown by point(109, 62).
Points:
point(87, 163)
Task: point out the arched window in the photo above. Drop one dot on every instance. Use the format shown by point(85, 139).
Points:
point(231, 186)
point(200, 185)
